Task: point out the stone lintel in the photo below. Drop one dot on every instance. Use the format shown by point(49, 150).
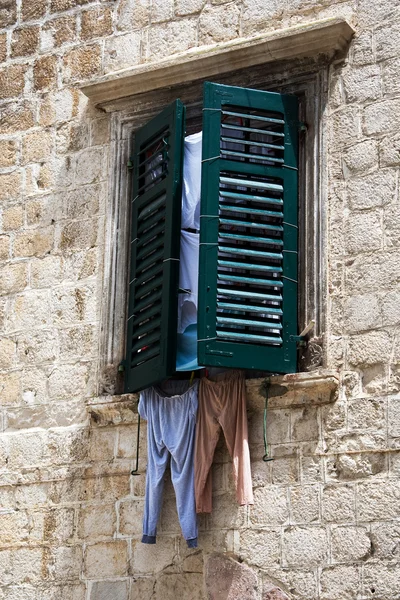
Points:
point(293, 390)
point(327, 37)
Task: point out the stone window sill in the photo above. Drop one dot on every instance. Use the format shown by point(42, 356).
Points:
point(284, 391)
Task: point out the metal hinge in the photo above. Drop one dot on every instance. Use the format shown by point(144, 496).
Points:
point(303, 127)
point(301, 339)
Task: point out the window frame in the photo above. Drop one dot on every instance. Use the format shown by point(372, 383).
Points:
point(308, 81)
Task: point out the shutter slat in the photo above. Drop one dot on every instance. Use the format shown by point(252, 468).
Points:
point(154, 277)
point(247, 281)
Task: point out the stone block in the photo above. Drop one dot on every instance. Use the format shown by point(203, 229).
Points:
point(37, 346)
point(99, 132)
point(362, 52)
point(102, 444)
point(369, 348)
point(227, 578)
point(394, 417)
point(350, 543)
point(366, 413)
point(172, 37)
point(58, 31)
point(107, 559)
point(97, 522)
point(4, 247)
point(391, 85)
point(127, 439)
point(338, 503)
point(133, 14)
point(8, 13)
point(380, 271)
point(372, 191)
point(262, 548)
point(389, 151)
point(382, 580)
point(149, 558)
point(391, 222)
point(20, 527)
point(390, 307)
point(13, 278)
point(46, 271)
point(78, 342)
point(79, 235)
point(218, 24)
point(73, 305)
point(3, 47)
point(187, 7)
point(33, 243)
point(96, 23)
point(60, 5)
point(257, 15)
point(270, 507)
point(188, 586)
point(360, 157)
point(10, 388)
point(58, 525)
point(378, 501)
point(131, 517)
point(362, 84)
point(305, 546)
point(117, 590)
point(10, 185)
point(381, 117)
point(340, 582)
point(162, 11)
point(21, 565)
point(8, 153)
point(362, 312)
point(24, 41)
point(122, 52)
point(7, 353)
point(304, 504)
point(12, 218)
point(387, 39)
point(33, 9)
point(81, 63)
point(363, 232)
point(67, 381)
point(385, 539)
point(226, 513)
point(39, 178)
point(45, 73)
point(26, 449)
point(84, 202)
point(16, 117)
point(301, 582)
point(272, 592)
point(64, 563)
point(304, 424)
point(107, 489)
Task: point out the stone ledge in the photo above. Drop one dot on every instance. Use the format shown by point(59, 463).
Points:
point(293, 390)
point(327, 36)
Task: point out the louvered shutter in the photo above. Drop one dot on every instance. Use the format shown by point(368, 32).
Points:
point(155, 244)
point(247, 313)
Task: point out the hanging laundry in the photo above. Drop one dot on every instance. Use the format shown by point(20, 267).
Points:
point(191, 181)
point(222, 404)
point(186, 357)
point(171, 420)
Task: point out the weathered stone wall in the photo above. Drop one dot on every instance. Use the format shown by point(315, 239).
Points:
point(326, 520)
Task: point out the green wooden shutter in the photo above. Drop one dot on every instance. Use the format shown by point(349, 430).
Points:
point(247, 313)
point(155, 245)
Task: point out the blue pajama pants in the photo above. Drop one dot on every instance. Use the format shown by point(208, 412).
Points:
point(171, 422)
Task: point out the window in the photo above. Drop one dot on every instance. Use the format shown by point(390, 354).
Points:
point(247, 305)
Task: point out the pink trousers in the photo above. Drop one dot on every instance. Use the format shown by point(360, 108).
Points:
point(222, 403)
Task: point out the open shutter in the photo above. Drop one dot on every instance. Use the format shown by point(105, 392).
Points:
point(247, 314)
point(155, 244)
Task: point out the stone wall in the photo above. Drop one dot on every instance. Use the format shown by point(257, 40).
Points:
point(325, 525)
